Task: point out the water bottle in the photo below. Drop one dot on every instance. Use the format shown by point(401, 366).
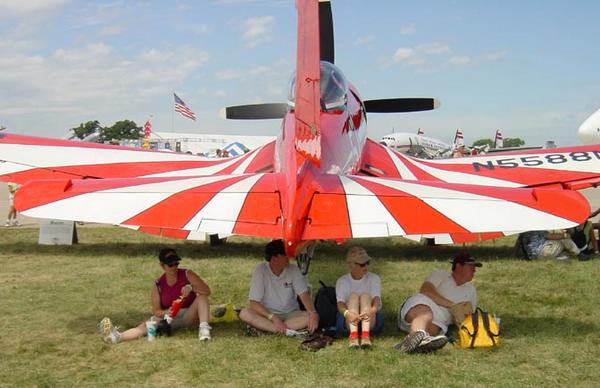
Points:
point(151, 329)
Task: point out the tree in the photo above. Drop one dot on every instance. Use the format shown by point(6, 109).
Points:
point(513, 142)
point(124, 129)
point(483, 142)
point(86, 129)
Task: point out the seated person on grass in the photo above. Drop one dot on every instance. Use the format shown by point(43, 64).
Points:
point(273, 305)
point(173, 283)
point(358, 295)
point(444, 298)
point(552, 244)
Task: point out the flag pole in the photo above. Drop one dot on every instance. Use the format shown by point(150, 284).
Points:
point(173, 117)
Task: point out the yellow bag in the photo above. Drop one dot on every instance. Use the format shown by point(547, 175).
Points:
point(478, 330)
point(223, 313)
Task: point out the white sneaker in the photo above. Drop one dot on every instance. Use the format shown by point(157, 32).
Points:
point(15, 222)
point(108, 332)
point(431, 344)
point(204, 332)
point(7, 223)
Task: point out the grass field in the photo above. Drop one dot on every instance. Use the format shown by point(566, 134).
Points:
point(53, 297)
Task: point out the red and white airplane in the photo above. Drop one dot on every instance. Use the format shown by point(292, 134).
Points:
point(322, 179)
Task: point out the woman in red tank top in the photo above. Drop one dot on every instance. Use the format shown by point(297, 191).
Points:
point(177, 288)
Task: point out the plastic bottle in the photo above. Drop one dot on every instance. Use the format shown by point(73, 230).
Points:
point(151, 329)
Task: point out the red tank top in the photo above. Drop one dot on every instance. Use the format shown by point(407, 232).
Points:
point(169, 293)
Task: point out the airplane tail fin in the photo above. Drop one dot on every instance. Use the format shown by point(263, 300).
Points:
point(308, 73)
point(458, 137)
point(498, 140)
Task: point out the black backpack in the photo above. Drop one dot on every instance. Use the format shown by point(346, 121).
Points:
point(326, 306)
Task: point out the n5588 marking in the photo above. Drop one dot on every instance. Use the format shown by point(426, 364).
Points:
point(537, 160)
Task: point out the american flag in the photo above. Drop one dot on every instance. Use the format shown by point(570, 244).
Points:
point(183, 109)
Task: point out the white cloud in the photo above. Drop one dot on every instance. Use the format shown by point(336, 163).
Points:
point(459, 60)
point(433, 49)
point(257, 30)
point(494, 56)
point(402, 54)
point(111, 30)
point(408, 29)
point(363, 40)
point(9, 8)
point(228, 74)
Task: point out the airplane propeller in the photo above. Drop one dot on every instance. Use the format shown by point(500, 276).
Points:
point(327, 53)
point(399, 105)
point(327, 48)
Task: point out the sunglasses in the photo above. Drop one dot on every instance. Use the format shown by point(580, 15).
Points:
point(363, 265)
point(175, 264)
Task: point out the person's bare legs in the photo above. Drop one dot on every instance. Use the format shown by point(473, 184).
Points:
point(298, 321)
point(134, 332)
point(354, 307)
point(420, 317)
point(365, 307)
point(198, 313)
point(256, 320)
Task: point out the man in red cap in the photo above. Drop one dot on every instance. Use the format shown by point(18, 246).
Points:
point(444, 298)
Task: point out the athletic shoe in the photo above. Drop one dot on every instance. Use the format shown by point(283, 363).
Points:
point(365, 342)
point(7, 223)
point(15, 222)
point(353, 342)
point(204, 332)
point(252, 331)
point(108, 332)
point(411, 341)
point(584, 257)
point(431, 344)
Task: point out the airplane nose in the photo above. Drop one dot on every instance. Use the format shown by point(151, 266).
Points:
point(589, 131)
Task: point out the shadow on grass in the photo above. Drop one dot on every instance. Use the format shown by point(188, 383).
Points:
point(124, 319)
point(382, 249)
point(516, 326)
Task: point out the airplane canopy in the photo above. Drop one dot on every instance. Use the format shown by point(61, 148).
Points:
point(333, 84)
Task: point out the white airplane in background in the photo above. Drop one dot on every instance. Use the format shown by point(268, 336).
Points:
point(416, 144)
point(589, 131)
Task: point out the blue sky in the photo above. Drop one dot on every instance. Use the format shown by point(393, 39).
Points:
point(526, 67)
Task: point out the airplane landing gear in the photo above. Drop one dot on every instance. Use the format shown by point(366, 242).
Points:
point(303, 258)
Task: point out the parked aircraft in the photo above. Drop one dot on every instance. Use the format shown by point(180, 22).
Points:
point(416, 144)
point(589, 130)
point(322, 179)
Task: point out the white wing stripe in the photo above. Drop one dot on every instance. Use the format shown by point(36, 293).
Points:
point(223, 207)
point(368, 216)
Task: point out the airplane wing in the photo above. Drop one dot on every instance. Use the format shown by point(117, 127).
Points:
point(246, 204)
point(358, 206)
point(572, 168)
point(26, 158)
point(341, 207)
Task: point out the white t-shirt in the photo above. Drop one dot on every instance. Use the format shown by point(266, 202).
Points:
point(446, 286)
point(277, 293)
point(368, 284)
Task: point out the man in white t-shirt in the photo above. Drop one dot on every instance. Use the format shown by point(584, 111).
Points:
point(443, 298)
point(358, 295)
point(273, 306)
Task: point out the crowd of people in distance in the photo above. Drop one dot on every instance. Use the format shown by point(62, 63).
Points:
point(278, 288)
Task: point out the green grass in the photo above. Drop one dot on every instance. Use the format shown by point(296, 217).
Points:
point(53, 297)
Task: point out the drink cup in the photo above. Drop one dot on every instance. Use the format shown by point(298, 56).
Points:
point(151, 329)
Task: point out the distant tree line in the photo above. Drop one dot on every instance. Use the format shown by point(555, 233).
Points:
point(124, 129)
point(509, 142)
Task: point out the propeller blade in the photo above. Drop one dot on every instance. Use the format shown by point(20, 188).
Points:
point(275, 110)
point(398, 105)
point(327, 49)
